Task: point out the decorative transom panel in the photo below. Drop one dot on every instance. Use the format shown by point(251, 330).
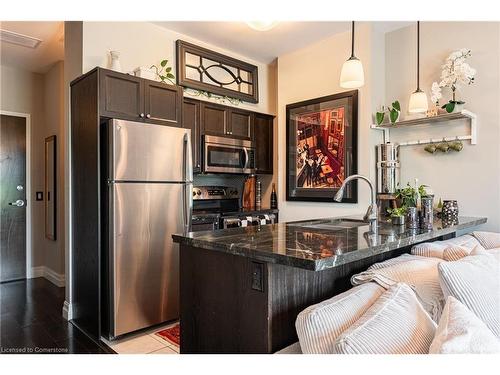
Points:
point(202, 69)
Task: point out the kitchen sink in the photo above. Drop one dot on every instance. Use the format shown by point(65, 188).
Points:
point(331, 224)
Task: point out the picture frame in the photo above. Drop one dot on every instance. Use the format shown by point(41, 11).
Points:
point(322, 148)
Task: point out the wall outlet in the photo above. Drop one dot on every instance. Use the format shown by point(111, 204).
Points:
point(258, 276)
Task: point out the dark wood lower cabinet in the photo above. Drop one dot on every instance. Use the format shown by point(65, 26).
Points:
point(233, 304)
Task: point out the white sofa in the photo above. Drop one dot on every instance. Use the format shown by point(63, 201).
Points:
point(349, 322)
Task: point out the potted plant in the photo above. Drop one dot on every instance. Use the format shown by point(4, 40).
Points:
point(394, 113)
point(455, 72)
point(397, 215)
point(408, 195)
point(164, 72)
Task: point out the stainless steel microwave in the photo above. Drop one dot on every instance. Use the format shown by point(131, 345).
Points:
point(228, 155)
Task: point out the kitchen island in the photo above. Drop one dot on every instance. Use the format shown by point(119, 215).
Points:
point(242, 288)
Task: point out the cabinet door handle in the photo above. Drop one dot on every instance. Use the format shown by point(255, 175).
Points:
point(141, 115)
point(148, 115)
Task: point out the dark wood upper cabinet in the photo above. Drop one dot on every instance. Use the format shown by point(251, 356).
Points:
point(162, 103)
point(121, 95)
point(191, 120)
point(214, 119)
point(241, 123)
point(263, 138)
point(127, 97)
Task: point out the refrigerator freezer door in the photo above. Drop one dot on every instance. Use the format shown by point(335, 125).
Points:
point(144, 260)
point(148, 152)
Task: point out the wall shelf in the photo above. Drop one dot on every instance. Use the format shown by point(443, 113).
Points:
point(440, 119)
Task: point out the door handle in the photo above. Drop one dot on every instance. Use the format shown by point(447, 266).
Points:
point(18, 203)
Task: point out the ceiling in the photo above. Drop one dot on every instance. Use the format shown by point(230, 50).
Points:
point(40, 59)
point(265, 46)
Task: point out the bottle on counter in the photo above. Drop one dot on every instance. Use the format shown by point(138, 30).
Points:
point(258, 195)
point(274, 198)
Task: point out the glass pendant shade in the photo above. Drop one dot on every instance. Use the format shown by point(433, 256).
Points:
point(352, 75)
point(418, 102)
point(262, 25)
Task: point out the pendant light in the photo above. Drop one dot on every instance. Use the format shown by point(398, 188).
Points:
point(418, 100)
point(352, 75)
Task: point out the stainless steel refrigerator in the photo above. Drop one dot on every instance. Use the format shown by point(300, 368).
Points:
point(149, 198)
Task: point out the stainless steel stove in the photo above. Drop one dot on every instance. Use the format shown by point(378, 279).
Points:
point(218, 207)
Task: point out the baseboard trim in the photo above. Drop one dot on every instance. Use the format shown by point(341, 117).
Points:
point(49, 274)
point(67, 311)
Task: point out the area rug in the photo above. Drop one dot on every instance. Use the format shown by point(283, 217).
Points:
point(172, 334)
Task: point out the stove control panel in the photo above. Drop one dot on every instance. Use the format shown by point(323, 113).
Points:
point(215, 192)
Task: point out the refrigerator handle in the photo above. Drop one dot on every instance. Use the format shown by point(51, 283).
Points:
point(188, 183)
point(187, 159)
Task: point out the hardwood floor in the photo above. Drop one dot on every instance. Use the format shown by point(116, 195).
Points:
point(31, 321)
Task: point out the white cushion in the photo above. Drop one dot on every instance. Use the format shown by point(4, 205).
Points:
point(488, 240)
point(291, 349)
point(461, 332)
point(419, 272)
point(475, 281)
point(318, 326)
point(436, 249)
point(395, 324)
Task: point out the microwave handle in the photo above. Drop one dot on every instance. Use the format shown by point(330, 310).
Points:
point(245, 164)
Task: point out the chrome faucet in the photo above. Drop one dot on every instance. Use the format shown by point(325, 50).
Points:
point(371, 215)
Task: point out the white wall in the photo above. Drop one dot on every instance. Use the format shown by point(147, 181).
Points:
point(145, 44)
point(471, 176)
point(313, 72)
point(54, 125)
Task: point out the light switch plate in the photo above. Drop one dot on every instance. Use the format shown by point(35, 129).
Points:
point(39, 195)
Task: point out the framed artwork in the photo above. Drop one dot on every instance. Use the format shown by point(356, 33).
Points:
point(203, 69)
point(322, 147)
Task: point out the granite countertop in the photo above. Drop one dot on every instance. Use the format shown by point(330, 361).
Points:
point(318, 244)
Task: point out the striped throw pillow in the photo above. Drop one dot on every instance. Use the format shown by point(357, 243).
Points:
point(489, 240)
point(395, 324)
point(475, 281)
point(318, 326)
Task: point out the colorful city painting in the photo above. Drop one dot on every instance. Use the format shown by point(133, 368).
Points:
point(320, 149)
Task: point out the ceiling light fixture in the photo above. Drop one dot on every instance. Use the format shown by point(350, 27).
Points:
point(262, 25)
point(19, 39)
point(418, 99)
point(352, 75)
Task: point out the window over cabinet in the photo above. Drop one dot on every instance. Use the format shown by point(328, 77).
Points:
point(202, 69)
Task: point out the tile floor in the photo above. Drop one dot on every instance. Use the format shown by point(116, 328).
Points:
point(144, 343)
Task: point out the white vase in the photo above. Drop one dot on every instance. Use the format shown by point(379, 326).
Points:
point(458, 108)
point(115, 61)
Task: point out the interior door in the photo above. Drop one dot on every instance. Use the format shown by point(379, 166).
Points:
point(13, 198)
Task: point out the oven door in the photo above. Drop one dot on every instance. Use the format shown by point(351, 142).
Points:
point(227, 155)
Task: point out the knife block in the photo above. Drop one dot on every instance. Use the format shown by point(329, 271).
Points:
point(248, 200)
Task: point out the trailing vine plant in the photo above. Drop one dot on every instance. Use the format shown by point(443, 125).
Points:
point(218, 98)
